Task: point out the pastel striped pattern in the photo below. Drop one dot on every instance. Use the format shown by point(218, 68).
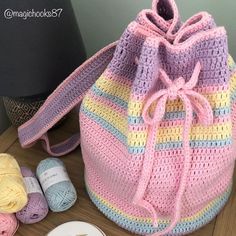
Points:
point(109, 96)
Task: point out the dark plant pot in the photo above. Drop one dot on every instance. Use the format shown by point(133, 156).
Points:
point(20, 110)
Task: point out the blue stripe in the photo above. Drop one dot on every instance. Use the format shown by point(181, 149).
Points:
point(233, 96)
point(179, 115)
point(147, 228)
point(118, 101)
point(193, 144)
point(161, 146)
point(196, 144)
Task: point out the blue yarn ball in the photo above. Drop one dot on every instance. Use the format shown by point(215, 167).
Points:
point(60, 196)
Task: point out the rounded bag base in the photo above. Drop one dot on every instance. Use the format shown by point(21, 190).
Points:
point(144, 226)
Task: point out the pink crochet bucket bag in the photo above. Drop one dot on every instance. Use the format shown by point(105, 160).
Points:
point(157, 122)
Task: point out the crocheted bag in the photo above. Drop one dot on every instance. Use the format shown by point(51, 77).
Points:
point(157, 122)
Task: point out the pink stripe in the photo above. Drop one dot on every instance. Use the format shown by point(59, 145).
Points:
point(209, 90)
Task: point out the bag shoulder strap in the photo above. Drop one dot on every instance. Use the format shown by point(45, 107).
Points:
point(66, 96)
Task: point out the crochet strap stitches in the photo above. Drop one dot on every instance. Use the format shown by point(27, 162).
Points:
point(67, 96)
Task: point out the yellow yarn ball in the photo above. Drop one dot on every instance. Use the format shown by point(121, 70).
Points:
point(13, 196)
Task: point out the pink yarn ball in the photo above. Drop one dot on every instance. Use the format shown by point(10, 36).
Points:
point(8, 224)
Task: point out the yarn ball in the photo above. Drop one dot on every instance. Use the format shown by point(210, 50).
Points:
point(13, 196)
point(37, 206)
point(8, 224)
point(62, 195)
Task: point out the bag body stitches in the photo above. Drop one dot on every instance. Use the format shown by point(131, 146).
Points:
point(157, 123)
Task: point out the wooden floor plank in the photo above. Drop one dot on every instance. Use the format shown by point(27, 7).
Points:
point(206, 230)
point(226, 220)
point(8, 138)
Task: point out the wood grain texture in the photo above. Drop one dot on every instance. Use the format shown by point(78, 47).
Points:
point(7, 139)
point(84, 210)
point(226, 220)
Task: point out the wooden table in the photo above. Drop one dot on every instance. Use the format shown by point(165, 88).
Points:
point(84, 210)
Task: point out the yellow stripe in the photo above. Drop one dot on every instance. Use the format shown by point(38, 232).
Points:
point(113, 88)
point(216, 132)
point(233, 82)
point(217, 100)
point(230, 61)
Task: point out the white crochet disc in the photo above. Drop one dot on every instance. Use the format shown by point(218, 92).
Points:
point(76, 228)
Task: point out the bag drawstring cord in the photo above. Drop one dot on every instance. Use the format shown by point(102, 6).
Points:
point(192, 101)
